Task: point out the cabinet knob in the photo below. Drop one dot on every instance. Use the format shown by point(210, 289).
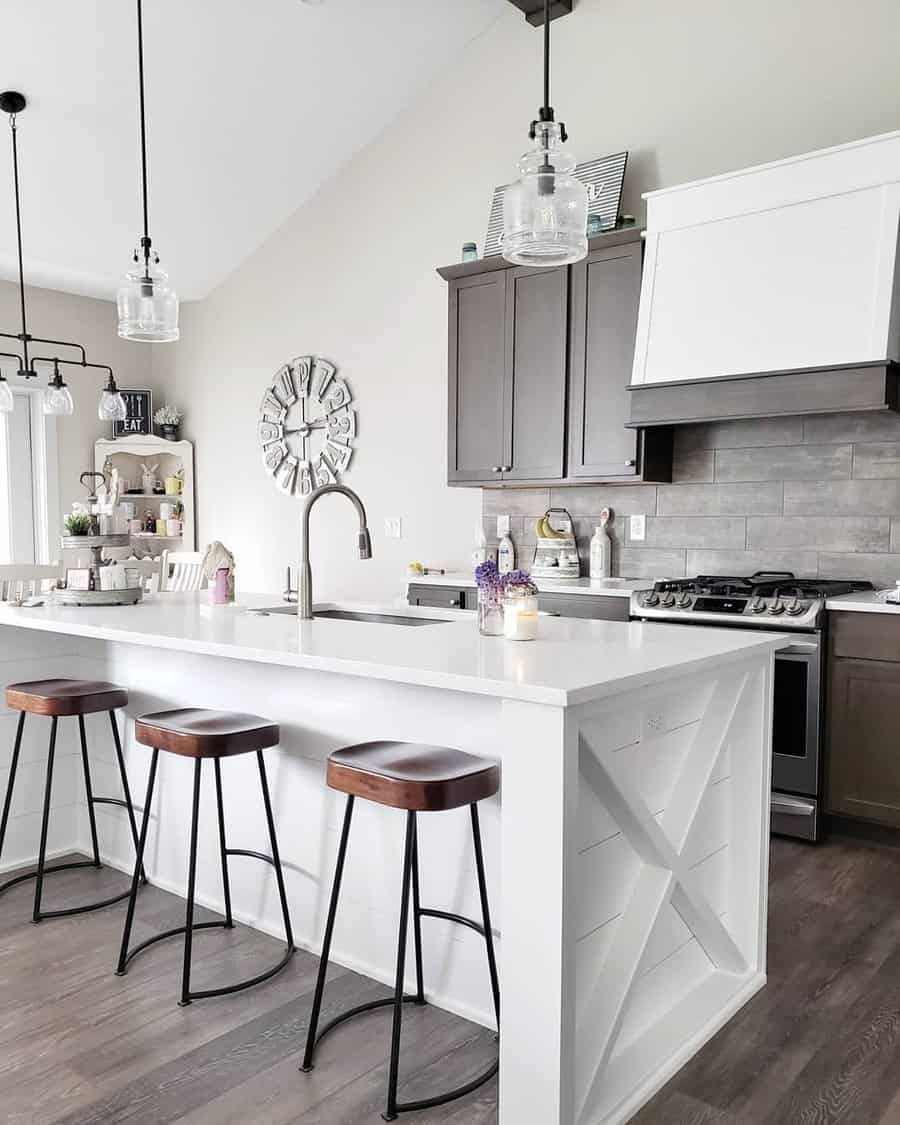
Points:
point(505, 468)
point(454, 602)
point(630, 464)
point(496, 469)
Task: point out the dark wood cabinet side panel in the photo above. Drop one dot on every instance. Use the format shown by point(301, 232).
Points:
point(863, 763)
point(866, 636)
point(476, 377)
point(536, 362)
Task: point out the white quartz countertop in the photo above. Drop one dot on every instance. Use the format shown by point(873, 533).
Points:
point(601, 587)
point(573, 661)
point(866, 601)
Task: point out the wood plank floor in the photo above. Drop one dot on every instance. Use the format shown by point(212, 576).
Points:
point(820, 1045)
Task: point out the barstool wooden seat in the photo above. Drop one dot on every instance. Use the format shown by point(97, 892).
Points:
point(201, 734)
point(61, 698)
point(418, 779)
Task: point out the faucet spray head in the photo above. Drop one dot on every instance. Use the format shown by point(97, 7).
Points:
point(365, 543)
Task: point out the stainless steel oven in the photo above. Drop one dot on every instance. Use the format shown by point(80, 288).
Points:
point(797, 737)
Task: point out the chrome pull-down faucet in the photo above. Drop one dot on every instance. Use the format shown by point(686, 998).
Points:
point(364, 543)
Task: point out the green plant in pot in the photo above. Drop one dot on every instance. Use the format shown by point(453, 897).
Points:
point(78, 523)
point(168, 418)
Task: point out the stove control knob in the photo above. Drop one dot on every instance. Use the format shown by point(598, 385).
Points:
point(797, 607)
point(667, 601)
point(758, 605)
point(650, 599)
point(777, 606)
point(685, 602)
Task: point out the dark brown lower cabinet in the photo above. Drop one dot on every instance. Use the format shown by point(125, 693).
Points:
point(863, 717)
point(564, 605)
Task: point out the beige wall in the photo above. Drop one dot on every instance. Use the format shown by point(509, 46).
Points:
point(690, 89)
point(91, 323)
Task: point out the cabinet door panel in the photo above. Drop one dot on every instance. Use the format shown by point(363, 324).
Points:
point(606, 289)
point(863, 754)
point(477, 373)
point(537, 329)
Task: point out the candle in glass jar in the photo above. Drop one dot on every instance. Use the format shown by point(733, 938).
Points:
point(520, 618)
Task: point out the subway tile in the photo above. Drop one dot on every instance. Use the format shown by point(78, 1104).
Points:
point(693, 465)
point(882, 569)
point(842, 498)
point(801, 562)
point(695, 531)
point(752, 499)
point(883, 426)
point(821, 533)
point(876, 460)
point(514, 501)
point(632, 562)
point(588, 499)
point(740, 434)
point(800, 462)
point(895, 535)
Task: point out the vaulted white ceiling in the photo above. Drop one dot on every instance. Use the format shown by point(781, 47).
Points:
point(252, 105)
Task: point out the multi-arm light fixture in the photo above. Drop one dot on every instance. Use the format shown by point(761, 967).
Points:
point(57, 398)
point(545, 211)
point(148, 305)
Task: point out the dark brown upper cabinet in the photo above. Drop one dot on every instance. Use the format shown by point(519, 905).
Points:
point(539, 364)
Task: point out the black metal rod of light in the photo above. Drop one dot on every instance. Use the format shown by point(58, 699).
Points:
point(145, 240)
point(12, 103)
point(546, 112)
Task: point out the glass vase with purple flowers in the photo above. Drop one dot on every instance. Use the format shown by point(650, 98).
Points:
point(490, 599)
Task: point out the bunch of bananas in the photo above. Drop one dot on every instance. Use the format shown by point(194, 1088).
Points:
point(544, 530)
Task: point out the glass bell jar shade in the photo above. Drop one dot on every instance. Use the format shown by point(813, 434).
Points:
point(6, 398)
point(545, 211)
point(58, 398)
point(112, 406)
point(148, 306)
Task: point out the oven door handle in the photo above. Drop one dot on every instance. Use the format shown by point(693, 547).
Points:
point(791, 806)
point(797, 648)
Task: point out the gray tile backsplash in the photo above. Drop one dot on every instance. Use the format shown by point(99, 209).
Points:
point(816, 495)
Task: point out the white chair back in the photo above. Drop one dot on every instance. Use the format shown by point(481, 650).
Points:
point(22, 580)
point(182, 571)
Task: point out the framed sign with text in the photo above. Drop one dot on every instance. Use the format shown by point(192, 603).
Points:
point(139, 419)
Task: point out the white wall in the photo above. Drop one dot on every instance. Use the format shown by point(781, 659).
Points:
point(92, 323)
point(690, 89)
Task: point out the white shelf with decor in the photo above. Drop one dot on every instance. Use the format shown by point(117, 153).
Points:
point(172, 458)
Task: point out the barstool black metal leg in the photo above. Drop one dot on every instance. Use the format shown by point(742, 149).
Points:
point(417, 918)
point(223, 850)
point(276, 855)
point(45, 823)
point(192, 883)
point(390, 1113)
point(326, 944)
point(86, 766)
point(13, 767)
point(126, 790)
point(138, 867)
point(485, 911)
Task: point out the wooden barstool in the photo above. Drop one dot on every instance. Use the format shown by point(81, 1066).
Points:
point(58, 699)
point(417, 779)
point(199, 734)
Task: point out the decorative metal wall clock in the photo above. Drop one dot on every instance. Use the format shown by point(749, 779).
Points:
point(307, 426)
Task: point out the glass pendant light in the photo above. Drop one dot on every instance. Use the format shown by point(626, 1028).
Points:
point(57, 396)
point(545, 211)
point(146, 302)
point(112, 406)
point(6, 399)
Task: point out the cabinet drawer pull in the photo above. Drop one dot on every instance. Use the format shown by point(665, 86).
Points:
point(454, 602)
point(630, 464)
point(496, 469)
point(505, 468)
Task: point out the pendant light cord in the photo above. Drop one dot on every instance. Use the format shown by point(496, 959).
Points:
point(15, 155)
point(547, 113)
point(145, 241)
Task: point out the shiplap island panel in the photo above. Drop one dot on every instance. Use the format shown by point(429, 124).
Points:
point(626, 858)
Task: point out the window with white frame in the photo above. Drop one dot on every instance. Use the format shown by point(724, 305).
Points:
point(28, 481)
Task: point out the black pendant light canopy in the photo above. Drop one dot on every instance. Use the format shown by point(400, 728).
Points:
point(57, 399)
point(147, 304)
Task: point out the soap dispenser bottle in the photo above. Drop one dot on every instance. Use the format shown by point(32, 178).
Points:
point(506, 555)
point(601, 547)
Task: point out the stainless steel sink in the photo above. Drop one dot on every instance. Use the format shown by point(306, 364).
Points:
point(352, 615)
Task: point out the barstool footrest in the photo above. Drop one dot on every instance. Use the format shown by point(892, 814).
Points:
point(69, 910)
point(427, 912)
point(251, 855)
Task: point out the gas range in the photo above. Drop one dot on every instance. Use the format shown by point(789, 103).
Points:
point(768, 599)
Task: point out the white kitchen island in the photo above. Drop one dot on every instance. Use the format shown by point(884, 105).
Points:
point(627, 862)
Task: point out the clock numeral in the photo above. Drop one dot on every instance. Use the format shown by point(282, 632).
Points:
point(270, 431)
point(325, 372)
point(324, 473)
point(284, 385)
point(272, 406)
point(305, 482)
point(287, 474)
point(338, 455)
point(338, 395)
point(342, 423)
point(302, 367)
point(273, 455)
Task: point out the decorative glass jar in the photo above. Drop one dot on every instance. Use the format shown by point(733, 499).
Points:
point(490, 611)
point(520, 616)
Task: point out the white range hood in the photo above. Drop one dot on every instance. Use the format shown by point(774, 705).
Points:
point(780, 268)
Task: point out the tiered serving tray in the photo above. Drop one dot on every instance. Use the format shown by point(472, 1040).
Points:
point(95, 544)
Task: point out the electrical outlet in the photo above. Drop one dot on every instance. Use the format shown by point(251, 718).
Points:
point(637, 528)
point(393, 527)
point(502, 526)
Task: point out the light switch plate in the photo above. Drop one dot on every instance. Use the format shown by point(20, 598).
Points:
point(637, 528)
point(502, 526)
point(393, 527)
